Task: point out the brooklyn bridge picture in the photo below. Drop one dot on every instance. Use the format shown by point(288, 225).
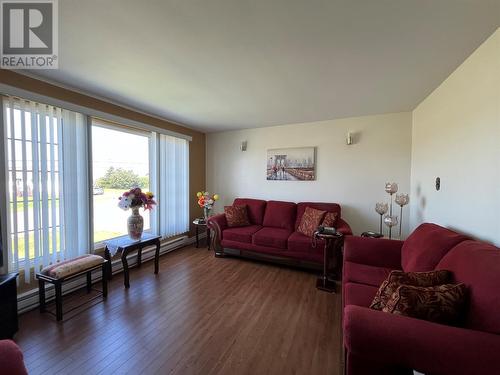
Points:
point(291, 164)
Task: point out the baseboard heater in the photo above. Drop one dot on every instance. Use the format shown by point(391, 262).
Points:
point(29, 300)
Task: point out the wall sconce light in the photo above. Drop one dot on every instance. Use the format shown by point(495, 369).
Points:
point(243, 146)
point(348, 139)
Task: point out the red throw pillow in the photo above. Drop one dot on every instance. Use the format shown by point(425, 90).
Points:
point(330, 219)
point(440, 304)
point(310, 221)
point(236, 216)
point(397, 278)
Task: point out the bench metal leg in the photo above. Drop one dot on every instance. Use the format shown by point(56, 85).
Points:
point(59, 312)
point(89, 281)
point(107, 256)
point(104, 280)
point(41, 294)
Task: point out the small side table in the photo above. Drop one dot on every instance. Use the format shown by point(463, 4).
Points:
point(333, 248)
point(125, 244)
point(372, 234)
point(8, 306)
point(201, 222)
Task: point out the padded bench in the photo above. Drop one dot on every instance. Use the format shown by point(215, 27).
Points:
point(60, 272)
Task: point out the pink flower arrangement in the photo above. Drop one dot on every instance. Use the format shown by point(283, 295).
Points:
point(135, 198)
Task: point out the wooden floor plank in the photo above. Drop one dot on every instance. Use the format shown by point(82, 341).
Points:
point(200, 315)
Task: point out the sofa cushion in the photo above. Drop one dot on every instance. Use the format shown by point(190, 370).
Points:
point(310, 221)
point(280, 215)
point(358, 294)
point(477, 265)
point(72, 266)
point(301, 243)
point(425, 247)
point(330, 219)
point(255, 208)
point(440, 304)
point(365, 274)
point(398, 278)
point(271, 237)
point(328, 207)
point(236, 216)
point(241, 234)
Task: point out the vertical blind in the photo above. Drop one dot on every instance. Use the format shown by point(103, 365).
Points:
point(47, 207)
point(47, 175)
point(173, 185)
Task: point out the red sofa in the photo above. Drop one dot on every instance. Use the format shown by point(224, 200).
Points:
point(381, 343)
point(11, 359)
point(272, 231)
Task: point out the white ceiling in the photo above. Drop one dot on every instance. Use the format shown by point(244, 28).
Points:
point(229, 64)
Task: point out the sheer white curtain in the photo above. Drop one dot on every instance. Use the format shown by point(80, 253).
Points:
point(47, 193)
point(173, 181)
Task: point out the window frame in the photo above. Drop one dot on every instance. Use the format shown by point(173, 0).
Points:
point(88, 113)
point(99, 122)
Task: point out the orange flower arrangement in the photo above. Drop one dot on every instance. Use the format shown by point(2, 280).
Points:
point(206, 201)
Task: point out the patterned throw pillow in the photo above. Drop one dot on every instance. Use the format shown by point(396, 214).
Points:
point(310, 221)
point(440, 304)
point(397, 278)
point(236, 216)
point(330, 219)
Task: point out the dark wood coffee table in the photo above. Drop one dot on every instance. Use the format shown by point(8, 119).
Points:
point(125, 245)
point(332, 250)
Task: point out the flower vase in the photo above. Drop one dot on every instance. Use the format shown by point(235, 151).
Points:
point(135, 224)
point(206, 213)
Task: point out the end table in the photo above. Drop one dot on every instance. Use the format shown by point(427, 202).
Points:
point(332, 249)
point(201, 222)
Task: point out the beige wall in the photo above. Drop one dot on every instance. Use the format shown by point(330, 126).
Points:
point(456, 136)
point(353, 176)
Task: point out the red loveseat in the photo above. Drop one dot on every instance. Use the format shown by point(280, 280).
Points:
point(381, 343)
point(272, 232)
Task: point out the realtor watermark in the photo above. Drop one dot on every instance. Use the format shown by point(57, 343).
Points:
point(29, 34)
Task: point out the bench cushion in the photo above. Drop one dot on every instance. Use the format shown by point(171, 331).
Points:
point(72, 266)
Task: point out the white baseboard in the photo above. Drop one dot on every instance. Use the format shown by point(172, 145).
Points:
point(29, 300)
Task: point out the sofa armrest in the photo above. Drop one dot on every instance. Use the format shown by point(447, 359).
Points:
point(343, 227)
point(11, 359)
point(428, 347)
point(378, 252)
point(217, 220)
point(217, 224)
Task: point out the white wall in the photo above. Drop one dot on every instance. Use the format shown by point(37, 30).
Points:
point(456, 136)
point(353, 176)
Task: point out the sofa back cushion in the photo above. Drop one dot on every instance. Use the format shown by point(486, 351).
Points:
point(425, 247)
point(255, 209)
point(328, 207)
point(280, 215)
point(236, 215)
point(477, 265)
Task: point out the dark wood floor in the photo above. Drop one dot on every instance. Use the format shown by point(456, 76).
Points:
point(200, 315)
